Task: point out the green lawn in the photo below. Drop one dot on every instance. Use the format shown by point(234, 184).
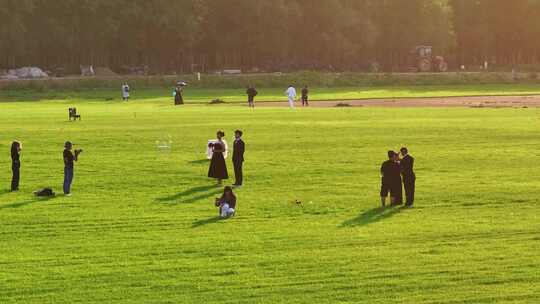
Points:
point(196, 95)
point(141, 226)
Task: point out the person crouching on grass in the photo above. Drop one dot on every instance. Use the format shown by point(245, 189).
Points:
point(226, 203)
point(69, 159)
point(16, 148)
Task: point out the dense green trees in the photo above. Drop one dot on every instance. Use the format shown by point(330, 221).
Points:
point(185, 35)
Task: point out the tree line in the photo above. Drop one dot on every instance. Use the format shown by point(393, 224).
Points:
point(277, 35)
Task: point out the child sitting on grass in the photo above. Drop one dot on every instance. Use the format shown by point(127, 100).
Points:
point(226, 203)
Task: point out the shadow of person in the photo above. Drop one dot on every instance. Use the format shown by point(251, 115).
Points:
point(372, 216)
point(27, 202)
point(5, 191)
point(192, 195)
point(199, 223)
point(200, 161)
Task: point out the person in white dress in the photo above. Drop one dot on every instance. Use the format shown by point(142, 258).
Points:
point(291, 94)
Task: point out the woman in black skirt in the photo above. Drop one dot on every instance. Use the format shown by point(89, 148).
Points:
point(16, 148)
point(218, 168)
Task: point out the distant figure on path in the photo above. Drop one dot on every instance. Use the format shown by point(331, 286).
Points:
point(226, 203)
point(251, 93)
point(125, 92)
point(69, 159)
point(218, 168)
point(291, 95)
point(389, 182)
point(305, 93)
point(409, 178)
point(178, 98)
point(16, 148)
point(238, 157)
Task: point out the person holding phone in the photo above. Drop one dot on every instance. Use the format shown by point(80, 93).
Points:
point(69, 160)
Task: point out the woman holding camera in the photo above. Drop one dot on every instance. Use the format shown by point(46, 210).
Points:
point(218, 168)
point(69, 159)
point(16, 148)
point(226, 203)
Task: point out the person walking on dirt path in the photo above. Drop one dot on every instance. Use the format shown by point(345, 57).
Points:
point(291, 95)
point(305, 93)
point(251, 93)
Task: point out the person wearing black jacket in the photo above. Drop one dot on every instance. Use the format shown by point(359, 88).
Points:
point(16, 148)
point(238, 157)
point(251, 93)
point(390, 181)
point(305, 93)
point(409, 178)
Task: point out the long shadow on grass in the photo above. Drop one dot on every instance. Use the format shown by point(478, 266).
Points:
point(26, 203)
point(200, 161)
point(372, 216)
point(191, 195)
point(199, 223)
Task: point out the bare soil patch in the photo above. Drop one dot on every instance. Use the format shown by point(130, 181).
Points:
point(471, 102)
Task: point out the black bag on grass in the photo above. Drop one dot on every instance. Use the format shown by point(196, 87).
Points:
point(45, 192)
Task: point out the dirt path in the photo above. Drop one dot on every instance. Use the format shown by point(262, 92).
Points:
point(472, 102)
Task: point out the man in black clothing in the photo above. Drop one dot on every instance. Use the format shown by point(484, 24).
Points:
point(390, 179)
point(16, 148)
point(251, 93)
point(305, 93)
point(409, 178)
point(238, 157)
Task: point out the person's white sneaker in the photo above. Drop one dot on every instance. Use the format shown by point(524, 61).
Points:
point(68, 195)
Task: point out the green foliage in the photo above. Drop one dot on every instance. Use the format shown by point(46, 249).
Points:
point(141, 226)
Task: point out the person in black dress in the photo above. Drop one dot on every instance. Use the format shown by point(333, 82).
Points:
point(390, 178)
point(218, 168)
point(238, 157)
point(305, 93)
point(16, 148)
point(178, 98)
point(251, 93)
point(409, 177)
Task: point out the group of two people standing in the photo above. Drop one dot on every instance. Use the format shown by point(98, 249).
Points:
point(218, 167)
point(398, 173)
point(69, 158)
point(290, 93)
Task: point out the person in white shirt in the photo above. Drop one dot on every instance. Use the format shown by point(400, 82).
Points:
point(125, 92)
point(291, 94)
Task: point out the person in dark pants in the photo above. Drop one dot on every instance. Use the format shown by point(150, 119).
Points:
point(238, 157)
point(397, 185)
point(305, 93)
point(390, 179)
point(69, 159)
point(251, 93)
point(16, 148)
point(409, 178)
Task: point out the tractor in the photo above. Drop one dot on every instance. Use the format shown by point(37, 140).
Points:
point(424, 61)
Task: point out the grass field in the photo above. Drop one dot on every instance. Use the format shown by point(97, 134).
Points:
point(198, 95)
point(141, 226)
